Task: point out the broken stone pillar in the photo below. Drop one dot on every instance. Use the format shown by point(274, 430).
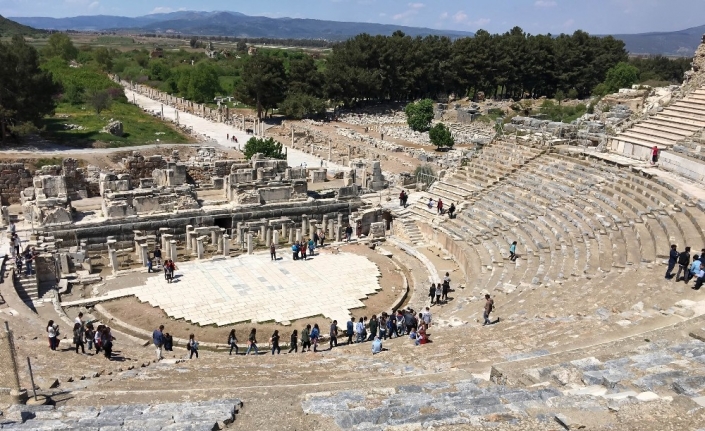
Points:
point(173, 253)
point(339, 228)
point(304, 224)
point(268, 237)
point(144, 253)
point(292, 136)
point(275, 237)
point(112, 255)
point(324, 223)
point(284, 230)
point(262, 231)
point(189, 228)
point(226, 245)
point(199, 246)
point(214, 237)
point(298, 234)
point(311, 228)
point(5, 216)
point(291, 236)
point(250, 244)
point(239, 233)
point(166, 246)
point(331, 230)
point(221, 240)
point(194, 245)
point(330, 151)
point(340, 219)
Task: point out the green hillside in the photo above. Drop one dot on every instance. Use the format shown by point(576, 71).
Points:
point(11, 28)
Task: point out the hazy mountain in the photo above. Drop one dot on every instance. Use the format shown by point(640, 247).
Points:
point(11, 28)
point(230, 24)
point(681, 43)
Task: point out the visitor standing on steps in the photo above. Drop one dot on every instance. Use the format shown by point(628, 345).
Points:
point(192, 346)
point(360, 330)
point(232, 342)
point(489, 306)
point(439, 293)
point(295, 251)
point(252, 342)
point(439, 206)
point(53, 334)
point(158, 340)
point(78, 335)
point(451, 210)
point(274, 341)
point(513, 251)
point(306, 339)
point(683, 264)
point(350, 330)
point(672, 260)
point(446, 288)
point(374, 325)
point(294, 342)
point(383, 326)
point(654, 155)
point(333, 334)
point(315, 334)
point(432, 292)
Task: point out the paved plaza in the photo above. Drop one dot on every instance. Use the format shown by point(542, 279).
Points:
point(253, 288)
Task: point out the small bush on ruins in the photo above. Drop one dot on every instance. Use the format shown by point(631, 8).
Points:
point(419, 115)
point(267, 147)
point(100, 101)
point(441, 137)
point(563, 113)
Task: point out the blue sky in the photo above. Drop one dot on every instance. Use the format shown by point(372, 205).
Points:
point(534, 16)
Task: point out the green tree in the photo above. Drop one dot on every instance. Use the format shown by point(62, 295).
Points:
point(100, 101)
point(623, 75)
point(441, 137)
point(26, 92)
point(265, 146)
point(103, 57)
point(59, 45)
point(299, 105)
point(560, 95)
point(73, 93)
point(241, 46)
point(304, 77)
point(193, 42)
point(263, 83)
point(203, 83)
point(419, 115)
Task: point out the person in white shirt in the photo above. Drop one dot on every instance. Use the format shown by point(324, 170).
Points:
point(79, 319)
point(427, 316)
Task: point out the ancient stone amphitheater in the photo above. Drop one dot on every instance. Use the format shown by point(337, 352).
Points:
point(590, 334)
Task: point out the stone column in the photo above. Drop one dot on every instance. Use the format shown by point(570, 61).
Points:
point(330, 151)
point(243, 123)
point(221, 240)
point(7, 344)
point(162, 111)
point(291, 236)
point(275, 237)
point(144, 253)
point(292, 136)
point(226, 245)
point(239, 233)
point(199, 246)
point(250, 244)
point(284, 229)
point(331, 230)
point(304, 224)
point(173, 253)
point(189, 228)
point(112, 255)
point(194, 245)
point(339, 228)
point(166, 246)
point(263, 231)
point(324, 223)
point(214, 237)
point(298, 234)
point(311, 228)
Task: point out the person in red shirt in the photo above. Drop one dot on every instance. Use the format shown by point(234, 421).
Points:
point(654, 155)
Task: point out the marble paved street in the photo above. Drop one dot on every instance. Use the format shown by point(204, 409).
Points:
point(254, 288)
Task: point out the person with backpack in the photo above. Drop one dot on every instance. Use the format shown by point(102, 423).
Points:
point(107, 340)
point(306, 339)
point(683, 264)
point(294, 342)
point(252, 342)
point(232, 342)
point(451, 210)
point(78, 336)
point(311, 246)
point(295, 250)
point(350, 330)
point(273, 252)
point(315, 334)
point(192, 346)
point(274, 341)
point(489, 307)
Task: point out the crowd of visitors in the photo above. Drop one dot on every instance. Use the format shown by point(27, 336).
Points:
point(690, 270)
point(84, 335)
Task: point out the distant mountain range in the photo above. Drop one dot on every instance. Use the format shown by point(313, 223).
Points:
point(230, 24)
point(11, 28)
point(680, 43)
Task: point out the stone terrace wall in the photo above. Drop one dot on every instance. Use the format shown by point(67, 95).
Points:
point(14, 178)
point(139, 166)
point(205, 174)
point(447, 243)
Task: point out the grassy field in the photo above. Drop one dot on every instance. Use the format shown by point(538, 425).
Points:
point(139, 128)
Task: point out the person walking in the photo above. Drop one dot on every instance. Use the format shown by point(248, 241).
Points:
point(489, 306)
point(295, 251)
point(232, 342)
point(157, 256)
point(158, 340)
point(427, 317)
point(17, 242)
point(348, 233)
point(294, 342)
point(513, 251)
point(273, 252)
point(311, 246)
point(392, 326)
point(89, 334)
point(430, 203)
point(383, 326)
point(53, 334)
point(333, 334)
point(350, 330)
point(316, 239)
point(149, 264)
point(654, 155)
point(373, 325)
point(446, 288)
point(683, 264)
point(401, 198)
point(315, 334)
point(432, 292)
point(192, 346)
point(672, 260)
point(274, 341)
point(439, 293)
point(451, 210)
point(439, 206)
point(360, 330)
point(107, 340)
point(322, 237)
point(78, 336)
point(302, 248)
point(252, 342)
point(306, 339)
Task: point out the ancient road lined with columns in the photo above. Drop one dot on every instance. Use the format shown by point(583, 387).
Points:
point(253, 288)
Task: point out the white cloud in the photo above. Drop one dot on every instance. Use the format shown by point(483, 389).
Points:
point(460, 17)
point(480, 22)
point(416, 5)
point(166, 9)
point(444, 15)
point(382, 14)
point(545, 3)
point(93, 5)
point(569, 23)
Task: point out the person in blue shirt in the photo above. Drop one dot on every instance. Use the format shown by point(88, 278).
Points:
point(158, 339)
point(672, 260)
point(311, 246)
point(694, 269)
point(295, 251)
point(513, 251)
point(315, 333)
point(350, 330)
point(376, 346)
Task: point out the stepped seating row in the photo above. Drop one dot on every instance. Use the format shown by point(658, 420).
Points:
point(571, 218)
point(676, 122)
